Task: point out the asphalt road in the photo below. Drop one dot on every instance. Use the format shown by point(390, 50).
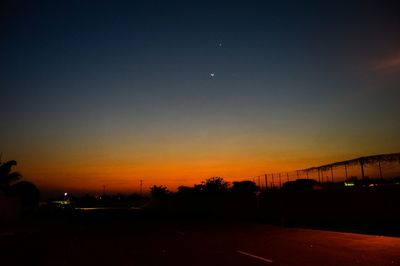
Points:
point(202, 244)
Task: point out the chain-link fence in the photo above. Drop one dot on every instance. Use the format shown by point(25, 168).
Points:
point(381, 168)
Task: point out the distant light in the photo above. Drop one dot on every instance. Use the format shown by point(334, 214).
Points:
point(349, 184)
point(60, 202)
point(212, 74)
point(65, 194)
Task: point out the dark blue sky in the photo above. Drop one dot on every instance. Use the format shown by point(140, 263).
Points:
point(88, 79)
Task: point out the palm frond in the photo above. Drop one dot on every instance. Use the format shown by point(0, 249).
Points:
point(10, 178)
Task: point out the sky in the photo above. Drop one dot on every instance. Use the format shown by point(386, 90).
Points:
point(113, 92)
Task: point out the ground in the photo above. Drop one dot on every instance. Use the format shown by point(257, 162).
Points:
point(152, 242)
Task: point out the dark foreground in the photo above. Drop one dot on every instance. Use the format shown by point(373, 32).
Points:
point(147, 241)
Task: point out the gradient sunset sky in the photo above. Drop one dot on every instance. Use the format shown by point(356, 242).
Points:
point(110, 92)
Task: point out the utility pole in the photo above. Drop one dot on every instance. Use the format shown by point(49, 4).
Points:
point(104, 190)
point(141, 187)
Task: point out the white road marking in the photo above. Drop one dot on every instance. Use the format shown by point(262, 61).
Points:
point(254, 256)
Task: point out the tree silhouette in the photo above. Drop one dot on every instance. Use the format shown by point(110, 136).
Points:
point(159, 192)
point(25, 191)
point(214, 185)
point(7, 177)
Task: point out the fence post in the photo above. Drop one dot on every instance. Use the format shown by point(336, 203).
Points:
point(322, 175)
point(266, 182)
point(272, 181)
point(319, 175)
point(362, 168)
point(280, 181)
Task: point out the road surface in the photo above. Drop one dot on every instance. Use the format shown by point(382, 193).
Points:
point(192, 244)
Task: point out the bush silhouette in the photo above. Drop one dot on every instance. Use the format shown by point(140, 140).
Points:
point(27, 193)
point(244, 187)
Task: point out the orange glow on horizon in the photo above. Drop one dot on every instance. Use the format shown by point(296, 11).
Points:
point(120, 162)
point(124, 175)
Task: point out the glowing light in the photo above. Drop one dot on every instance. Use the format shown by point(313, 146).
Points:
point(349, 184)
point(60, 202)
